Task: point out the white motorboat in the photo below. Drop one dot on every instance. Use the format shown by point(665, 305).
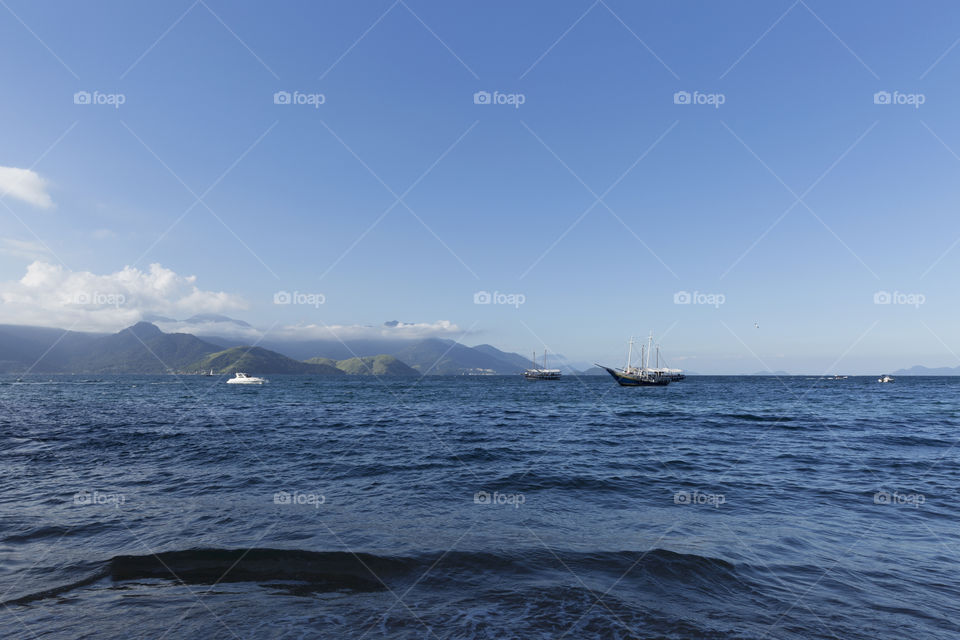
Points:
point(242, 378)
point(885, 378)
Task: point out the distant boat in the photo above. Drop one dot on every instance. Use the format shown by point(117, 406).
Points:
point(208, 374)
point(885, 378)
point(837, 377)
point(644, 375)
point(242, 378)
point(673, 375)
point(541, 374)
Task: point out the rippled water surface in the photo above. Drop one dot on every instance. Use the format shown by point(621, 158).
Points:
point(479, 507)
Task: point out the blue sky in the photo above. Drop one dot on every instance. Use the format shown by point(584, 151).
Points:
point(796, 200)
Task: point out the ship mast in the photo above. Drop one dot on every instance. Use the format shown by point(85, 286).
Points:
point(649, 348)
point(629, 354)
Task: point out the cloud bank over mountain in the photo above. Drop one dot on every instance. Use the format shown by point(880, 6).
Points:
point(52, 295)
point(392, 330)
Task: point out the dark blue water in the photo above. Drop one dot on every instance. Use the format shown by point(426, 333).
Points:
point(479, 507)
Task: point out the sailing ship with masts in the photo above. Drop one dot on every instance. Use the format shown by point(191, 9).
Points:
point(541, 373)
point(644, 375)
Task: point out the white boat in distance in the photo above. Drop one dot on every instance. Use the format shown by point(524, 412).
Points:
point(885, 378)
point(541, 373)
point(242, 378)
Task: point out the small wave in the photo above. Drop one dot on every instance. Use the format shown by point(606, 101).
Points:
point(646, 414)
point(56, 591)
point(326, 571)
point(53, 531)
point(905, 440)
point(308, 572)
point(484, 454)
point(524, 481)
point(753, 417)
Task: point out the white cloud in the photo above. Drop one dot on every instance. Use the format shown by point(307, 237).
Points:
point(25, 185)
point(303, 332)
point(388, 330)
point(222, 329)
point(50, 295)
point(23, 249)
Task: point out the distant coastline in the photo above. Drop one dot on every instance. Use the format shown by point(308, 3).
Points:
point(145, 349)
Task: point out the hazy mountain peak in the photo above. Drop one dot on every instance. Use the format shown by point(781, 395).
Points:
point(143, 330)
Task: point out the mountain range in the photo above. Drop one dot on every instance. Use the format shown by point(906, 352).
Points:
point(919, 370)
point(259, 360)
point(144, 349)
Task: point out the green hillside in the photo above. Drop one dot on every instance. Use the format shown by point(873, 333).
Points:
point(435, 356)
point(143, 349)
point(257, 360)
point(327, 361)
point(382, 365)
